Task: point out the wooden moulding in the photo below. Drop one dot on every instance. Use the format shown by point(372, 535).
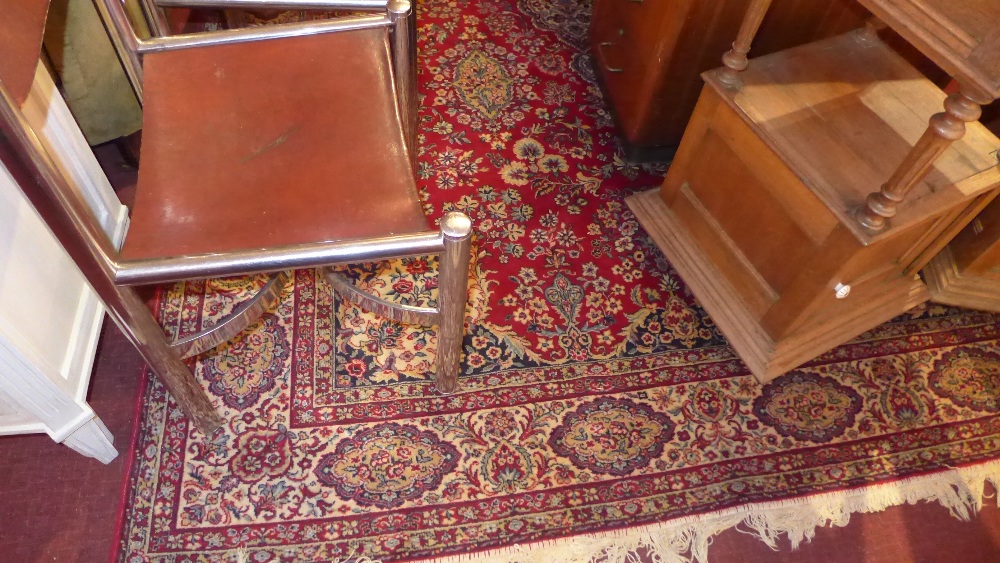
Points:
point(950, 286)
point(966, 272)
point(766, 358)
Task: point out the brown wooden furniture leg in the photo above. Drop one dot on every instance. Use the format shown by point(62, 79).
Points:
point(735, 60)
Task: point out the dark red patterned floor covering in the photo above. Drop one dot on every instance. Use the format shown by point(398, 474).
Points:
point(57, 506)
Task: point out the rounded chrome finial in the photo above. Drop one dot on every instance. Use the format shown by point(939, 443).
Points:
point(456, 224)
point(399, 7)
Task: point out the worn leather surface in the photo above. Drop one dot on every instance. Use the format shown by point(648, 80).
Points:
point(22, 23)
point(271, 143)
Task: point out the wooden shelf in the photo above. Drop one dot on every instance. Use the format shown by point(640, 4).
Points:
point(758, 210)
point(843, 112)
point(961, 36)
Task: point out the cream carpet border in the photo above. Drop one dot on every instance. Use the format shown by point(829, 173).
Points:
point(684, 540)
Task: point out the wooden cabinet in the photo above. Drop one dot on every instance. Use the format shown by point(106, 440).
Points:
point(809, 188)
point(649, 54)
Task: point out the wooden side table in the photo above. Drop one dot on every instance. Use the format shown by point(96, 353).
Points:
point(808, 190)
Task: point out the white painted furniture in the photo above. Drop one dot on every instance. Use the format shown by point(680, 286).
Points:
point(50, 318)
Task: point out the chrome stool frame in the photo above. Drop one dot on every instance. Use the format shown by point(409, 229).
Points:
point(114, 278)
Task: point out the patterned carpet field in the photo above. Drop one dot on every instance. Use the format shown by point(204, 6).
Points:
point(599, 407)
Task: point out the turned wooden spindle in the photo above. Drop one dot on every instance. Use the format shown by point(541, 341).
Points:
point(735, 60)
point(944, 129)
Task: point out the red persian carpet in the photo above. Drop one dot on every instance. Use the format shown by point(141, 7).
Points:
point(600, 410)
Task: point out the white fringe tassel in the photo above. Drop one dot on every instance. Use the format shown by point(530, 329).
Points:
point(686, 540)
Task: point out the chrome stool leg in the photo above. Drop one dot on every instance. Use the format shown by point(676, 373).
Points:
point(453, 296)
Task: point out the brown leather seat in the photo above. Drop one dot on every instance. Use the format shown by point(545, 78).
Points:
point(221, 169)
point(21, 27)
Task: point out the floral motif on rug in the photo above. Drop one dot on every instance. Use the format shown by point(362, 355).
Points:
point(808, 406)
point(969, 378)
point(613, 436)
point(483, 84)
point(386, 465)
point(248, 368)
point(595, 394)
point(568, 21)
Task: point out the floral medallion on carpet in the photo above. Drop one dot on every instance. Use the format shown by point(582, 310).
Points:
point(596, 397)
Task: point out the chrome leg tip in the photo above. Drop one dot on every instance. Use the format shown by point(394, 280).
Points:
point(456, 225)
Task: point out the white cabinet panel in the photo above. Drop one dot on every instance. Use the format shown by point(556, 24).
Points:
point(50, 318)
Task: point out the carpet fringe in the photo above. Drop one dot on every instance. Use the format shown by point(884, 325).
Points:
point(686, 540)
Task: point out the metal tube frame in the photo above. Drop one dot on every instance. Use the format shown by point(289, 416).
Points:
point(116, 18)
point(231, 36)
point(161, 270)
point(125, 41)
point(111, 277)
point(453, 296)
point(347, 5)
point(399, 16)
point(78, 232)
point(76, 229)
point(409, 314)
point(404, 65)
point(246, 313)
point(155, 18)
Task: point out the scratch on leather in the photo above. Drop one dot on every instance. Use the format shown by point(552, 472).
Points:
point(273, 144)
